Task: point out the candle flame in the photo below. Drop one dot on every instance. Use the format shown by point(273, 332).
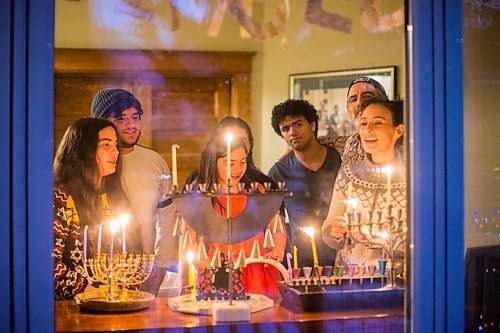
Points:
point(308, 231)
point(124, 218)
point(388, 170)
point(229, 137)
point(190, 257)
point(113, 226)
point(384, 234)
point(353, 203)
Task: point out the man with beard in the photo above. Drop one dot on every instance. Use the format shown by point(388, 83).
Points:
point(144, 172)
point(360, 90)
point(309, 171)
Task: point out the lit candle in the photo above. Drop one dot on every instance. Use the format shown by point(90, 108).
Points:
point(85, 242)
point(112, 229)
point(229, 139)
point(191, 272)
point(310, 231)
point(174, 164)
point(123, 221)
point(349, 195)
point(99, 238)
point(295, 260)
point(354, 203)
point(388, 172)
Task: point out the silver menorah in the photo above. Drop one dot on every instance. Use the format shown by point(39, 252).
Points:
point(387, 232)
point(119, 272)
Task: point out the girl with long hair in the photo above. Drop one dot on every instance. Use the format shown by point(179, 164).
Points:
point(258, 277)
point(87, 191)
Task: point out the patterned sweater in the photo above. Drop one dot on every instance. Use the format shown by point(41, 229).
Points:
point(369, 189)
point(67, 253)
point(349, 147)
point(68, 247)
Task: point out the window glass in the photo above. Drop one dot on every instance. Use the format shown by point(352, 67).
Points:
point(481, 163)
point(192, 63)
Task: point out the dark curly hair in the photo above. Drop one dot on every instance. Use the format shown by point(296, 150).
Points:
point(294, 107)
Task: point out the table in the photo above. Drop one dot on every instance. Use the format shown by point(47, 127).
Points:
point(160, 318)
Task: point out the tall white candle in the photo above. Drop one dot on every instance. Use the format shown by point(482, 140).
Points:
point(99, 238)
point(85, 242)
point(112, 229)
point(349, 197)
point(174, 164)
point(229, 139)
point(124, 220)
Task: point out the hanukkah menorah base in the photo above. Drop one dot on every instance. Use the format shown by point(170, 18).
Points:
point(189, 304)
point(127, 301)
point(337, 297)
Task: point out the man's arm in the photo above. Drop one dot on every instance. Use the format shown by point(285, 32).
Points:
point(336, 142)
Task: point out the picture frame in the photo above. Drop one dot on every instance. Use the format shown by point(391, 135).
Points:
point(327, 92)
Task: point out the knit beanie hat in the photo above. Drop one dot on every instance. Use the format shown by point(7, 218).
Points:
point(111, 102)
point(370, 81)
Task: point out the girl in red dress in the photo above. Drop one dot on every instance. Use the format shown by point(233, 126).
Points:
point(258, 277)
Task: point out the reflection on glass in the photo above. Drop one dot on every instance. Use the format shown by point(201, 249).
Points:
point(482, 165)
point(192, 63)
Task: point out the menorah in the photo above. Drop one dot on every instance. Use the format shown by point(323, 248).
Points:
point(220, 291)
point(118, 272)
point(387, 232)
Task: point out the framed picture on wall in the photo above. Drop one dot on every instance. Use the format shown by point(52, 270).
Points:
point(327, 91)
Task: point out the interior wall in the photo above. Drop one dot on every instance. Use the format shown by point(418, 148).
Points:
point(376, 39)
point(311, 48)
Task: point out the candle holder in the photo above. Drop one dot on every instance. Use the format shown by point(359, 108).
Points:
point(387, 232)
point(119, 272)
point(220, 289)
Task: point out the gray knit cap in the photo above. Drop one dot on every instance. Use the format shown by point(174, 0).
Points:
point(377, 85)
point(111, 102)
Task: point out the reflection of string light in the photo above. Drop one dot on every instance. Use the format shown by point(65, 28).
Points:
point(487, 222)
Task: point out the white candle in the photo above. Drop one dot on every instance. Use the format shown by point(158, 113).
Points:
point(388, 172)
point(112, 228)
point(349, 196)
point(85, 242)
point(124, 220)
point(99, 238)
point(229, 139)
point(354, 203)
point(174, 164)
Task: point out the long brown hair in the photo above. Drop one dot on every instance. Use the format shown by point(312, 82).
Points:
point(215, 149)
point(77, 171)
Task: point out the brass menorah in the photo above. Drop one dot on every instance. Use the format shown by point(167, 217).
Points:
point(118, 272)
point(387, 232)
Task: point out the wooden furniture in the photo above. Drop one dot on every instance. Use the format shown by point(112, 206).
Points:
point(159, 318)
point(183, 94)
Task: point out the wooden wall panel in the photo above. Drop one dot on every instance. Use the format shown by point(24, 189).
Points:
point(183, 94)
